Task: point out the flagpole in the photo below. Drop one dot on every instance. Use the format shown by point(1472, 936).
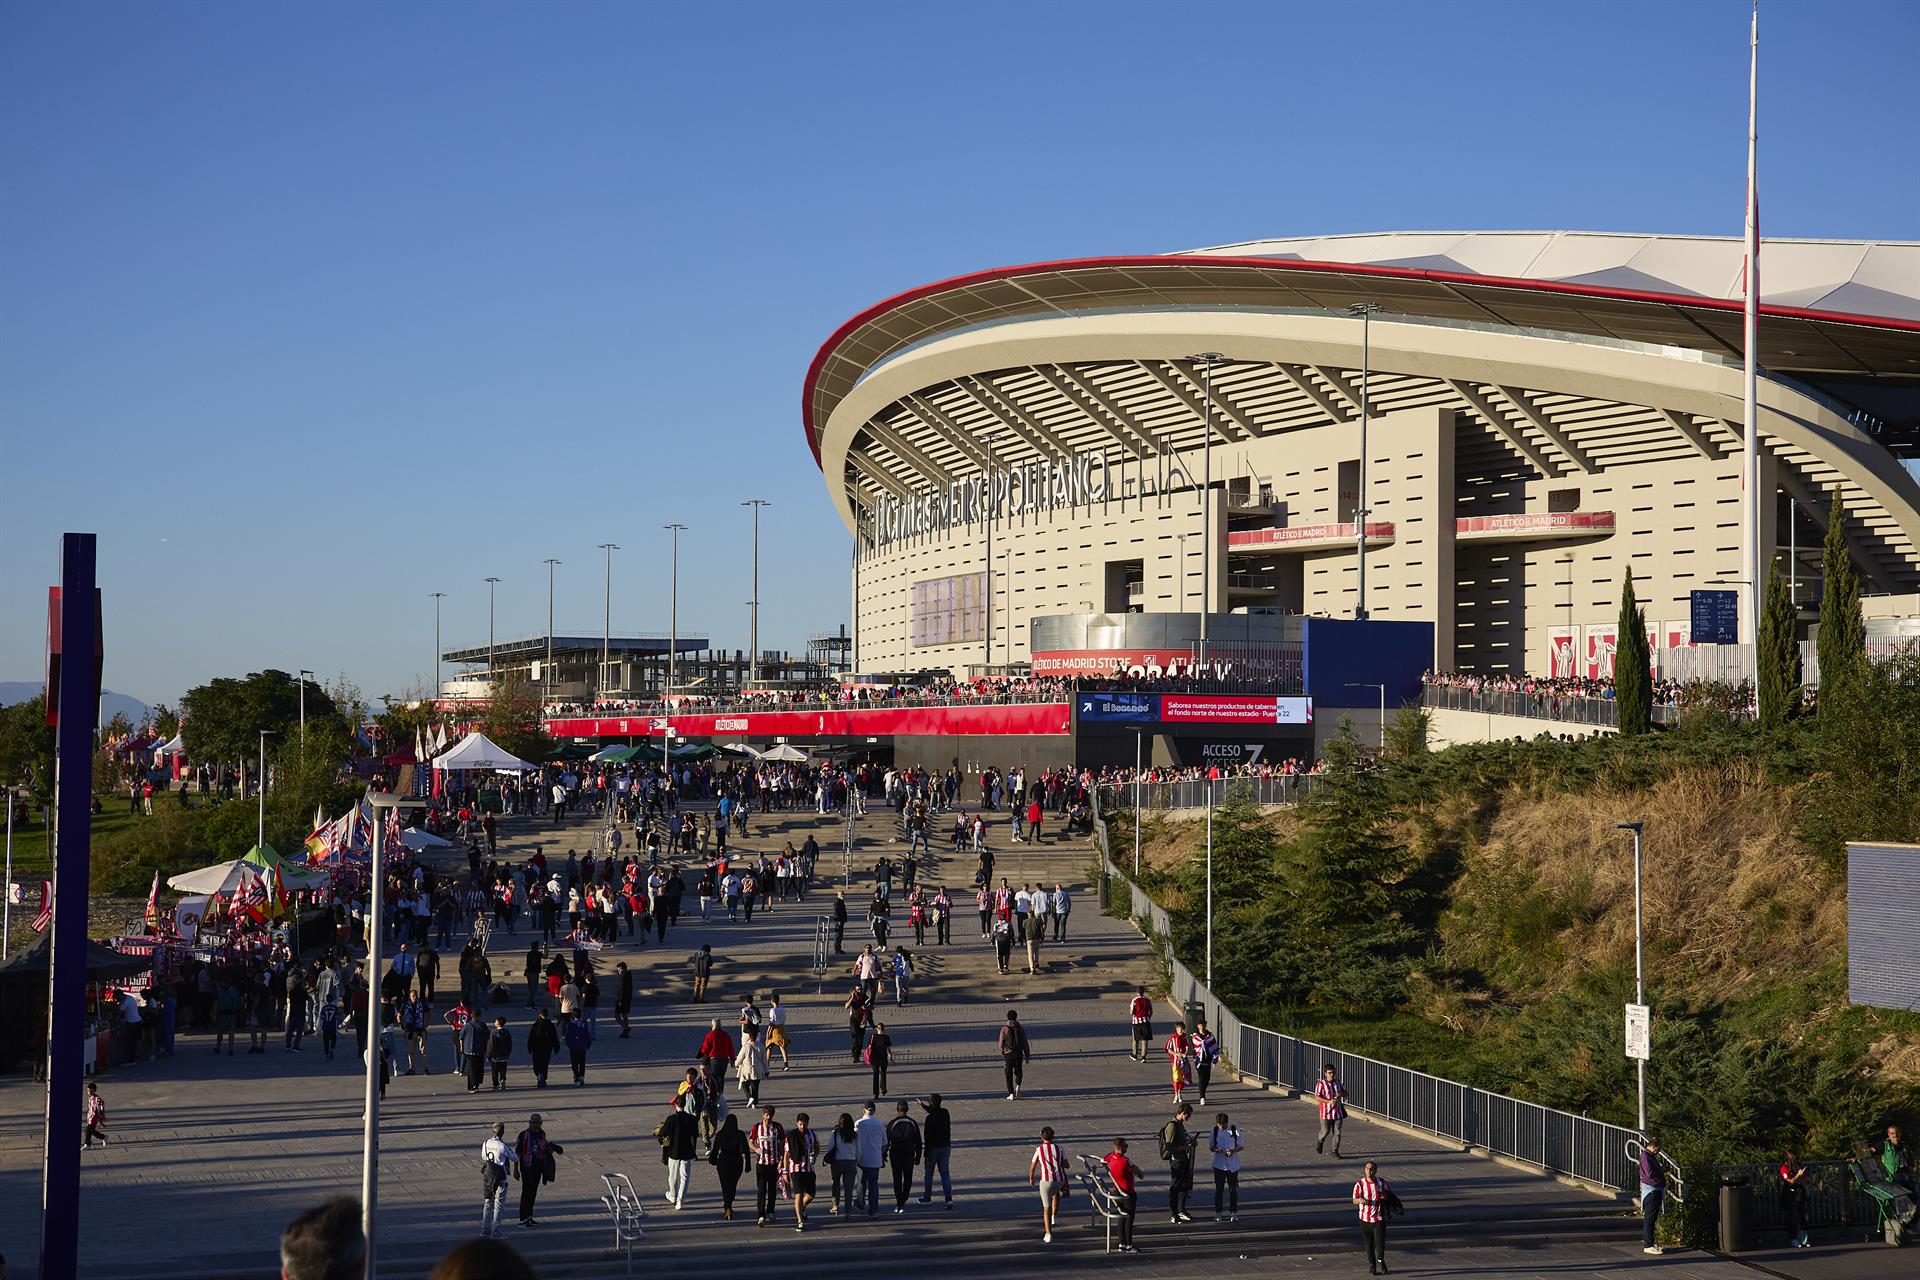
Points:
point(1750, 473)
point(6, 900)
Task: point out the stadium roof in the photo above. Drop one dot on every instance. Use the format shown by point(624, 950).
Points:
point(535, 646)
point(1831, 308)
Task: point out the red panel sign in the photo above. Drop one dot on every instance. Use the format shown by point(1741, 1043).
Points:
point(832, 722)
point(1539, 522)
point(1331, 533)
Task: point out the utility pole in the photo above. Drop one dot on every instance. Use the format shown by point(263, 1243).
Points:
point(753, 623)
point(606, 618)
point(1639, 965)
point(1206, 362)
point(438, 596)
point(304, 673)
point(1750, 456)
point(1365, 311)
point(986, 438)
point(546, 669)
point(260, 839)
point(491, 583)
point(673, 638)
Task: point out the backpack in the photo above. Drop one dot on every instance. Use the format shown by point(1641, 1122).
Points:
point(796, 1146)
point(1168, 1149)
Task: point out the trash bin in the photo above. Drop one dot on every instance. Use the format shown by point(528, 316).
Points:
point(1736, 1214)
point(1194, 1012)
point(1106, 890)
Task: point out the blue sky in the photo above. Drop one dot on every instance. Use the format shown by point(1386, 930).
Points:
point(310, 311)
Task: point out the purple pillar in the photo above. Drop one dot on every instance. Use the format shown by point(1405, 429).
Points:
point(79, 707)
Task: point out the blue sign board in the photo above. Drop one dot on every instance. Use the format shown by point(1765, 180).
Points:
point(1716, 617)
point(1120, 707)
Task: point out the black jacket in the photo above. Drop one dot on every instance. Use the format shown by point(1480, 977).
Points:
point(499, 1045)
point(543, 1040)
point(937, 1128)
point(677, 1136)
point(903, 1141)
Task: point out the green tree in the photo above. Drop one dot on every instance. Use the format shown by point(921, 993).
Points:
point(224, 717)
point(166, 721)
point(26, 747)
point(1842, 640)
point(1778, 657)
point(1407, 733)
point(1632, 681)
point(512, 719)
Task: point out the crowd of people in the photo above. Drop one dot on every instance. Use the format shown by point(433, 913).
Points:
point(1735, 699)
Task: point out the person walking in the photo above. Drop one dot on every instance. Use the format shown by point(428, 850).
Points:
point(543, 1041)
point(1061, 905)
point(843, 1160)
point(1204, 1051)
point(702, 963)
point(678, 1134)
point(879, 1057)
point(1793, 1198)
point(801, 1155)
point(937, 1132)
point(534, 1165)
point(777, 1033)
point(1226, 1144)
point(1124, 1173)
point(769, 1140)
point(1176, 1148)
point(839, 922)
point(535, 974)
point(577, 1033)
point(730, 1155)
point(750, 1065)
point(1047, 1171)
point(623, 999)
point(499, 1050)
point(902, 973)
point(1331, 1097)
point(497, 1162)
point(715, 1054)
point(1015, 1053)
point(1180, 1055)
point(859, 1013)
point(1653, 1193)
point(904, 1148)
point(1376, 1201)
point(1140, 1019)
point(96, 1119)
point(871, 1135)
point(413, 1025)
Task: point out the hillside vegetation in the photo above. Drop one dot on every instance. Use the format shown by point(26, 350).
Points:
point(1470, 912)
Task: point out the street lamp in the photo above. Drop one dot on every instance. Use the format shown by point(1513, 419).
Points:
point(1365, 311)
point(304, 673)
point(1206, 362)
point(546, 671)
point(491, 583)
point(986, 438)
point(370, 1131)
point(673, 639)
point(438, 596)
point(1209, 782)
point(606, 618)
point(1139, 739)
point(261, 837)
point(1383, 709)
point(1639, 969)
point(753, 622)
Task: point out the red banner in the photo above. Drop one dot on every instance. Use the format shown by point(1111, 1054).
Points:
point(832, 722)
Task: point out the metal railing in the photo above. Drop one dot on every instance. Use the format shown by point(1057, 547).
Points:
point(1191, 793)
point(1566, 708)
point(1556, 1142)
point(1834, 1195)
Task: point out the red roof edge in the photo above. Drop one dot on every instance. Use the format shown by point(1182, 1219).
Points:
point(1279, 264)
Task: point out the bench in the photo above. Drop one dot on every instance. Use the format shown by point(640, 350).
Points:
point(624, 1206)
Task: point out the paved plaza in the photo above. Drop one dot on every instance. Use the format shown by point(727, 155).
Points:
point(211, 1155)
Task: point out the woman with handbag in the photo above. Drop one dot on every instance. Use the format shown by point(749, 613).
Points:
point(729, 1157)
point(842, 1155)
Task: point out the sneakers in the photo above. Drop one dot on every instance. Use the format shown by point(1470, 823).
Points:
point(1184, 1216)
point(899, 1208)
point(1320, 1147)
point(1653, 1249)
point(1009, 1097)
point(1046, 1237)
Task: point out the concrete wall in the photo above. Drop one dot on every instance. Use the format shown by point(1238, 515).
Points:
point(1449, 728)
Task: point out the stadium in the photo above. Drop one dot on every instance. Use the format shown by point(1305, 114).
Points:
point(1021, 453)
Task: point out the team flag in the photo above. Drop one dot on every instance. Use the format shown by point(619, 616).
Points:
point(44, 916)
point(153, 900)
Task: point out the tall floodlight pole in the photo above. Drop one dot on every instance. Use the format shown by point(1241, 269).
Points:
point(1639, 967)
point(1365, 311)
point(986, 438)
point(1206, 361)
point(370, 1118)
point(1209, 884)
point(606, 617)
point(438, 596)
point(260, 839)
point(1139, 740)
point(753, 620)
point(491, 583)
point(1793, 556)
point(304, 674)
point(1750, 463)
point(546, 670)
point(673, 636)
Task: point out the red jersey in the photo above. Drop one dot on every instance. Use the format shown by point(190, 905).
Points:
point(1141, 1010)
point(1121, 1170)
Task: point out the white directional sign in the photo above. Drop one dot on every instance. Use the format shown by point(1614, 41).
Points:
point(1639, 1032)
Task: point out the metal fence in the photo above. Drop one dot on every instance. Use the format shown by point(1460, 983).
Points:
point(1191, 793)
point(1564, 707)
point(1553, 1141)
point(1834, 1196)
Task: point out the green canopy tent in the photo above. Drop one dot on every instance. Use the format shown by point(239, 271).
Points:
point(613, 755)
point(570, 751)
point(295, 875)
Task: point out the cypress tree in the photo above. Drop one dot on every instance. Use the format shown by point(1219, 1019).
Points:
point(1778, 658)
point(1632, 684)
point(1843, 635)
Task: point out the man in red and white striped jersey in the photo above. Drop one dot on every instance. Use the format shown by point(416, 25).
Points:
point(768, 1139)
point(1140, 1014)
point(1048, 1172)
point(1374, 1198)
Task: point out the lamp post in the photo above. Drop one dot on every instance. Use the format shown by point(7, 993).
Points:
point(606, 617)
point(260, 839)
point(1206, 361)
point(1209, 884)
point(753, 620)
point(1139, 740)
point(1383, 709)
point(986, 438)
point(1639, 968)
point(438, 596)
point(370, 1120)
point(673, 639)
point(304, 673)
point(1365, 311)
point(546, 670)
point(491, 583)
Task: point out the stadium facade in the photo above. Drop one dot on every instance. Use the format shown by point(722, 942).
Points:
point(1546, 411)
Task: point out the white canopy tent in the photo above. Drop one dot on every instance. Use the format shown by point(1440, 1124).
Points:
point(476, 751)
point(787, 752)
point(416, 839)
point(225, 877)
point(176, 746)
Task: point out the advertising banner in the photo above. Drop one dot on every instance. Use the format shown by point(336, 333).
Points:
point(1184, 708)
point(1017, 718)
point(1601, 642)
point(1561, 647)
point(1132, 708)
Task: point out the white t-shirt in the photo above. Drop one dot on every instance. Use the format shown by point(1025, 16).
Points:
point(872, 1137)
point(777, 1016)
point(1022, 902)
point(494, 1151)
point(1227, 1144)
